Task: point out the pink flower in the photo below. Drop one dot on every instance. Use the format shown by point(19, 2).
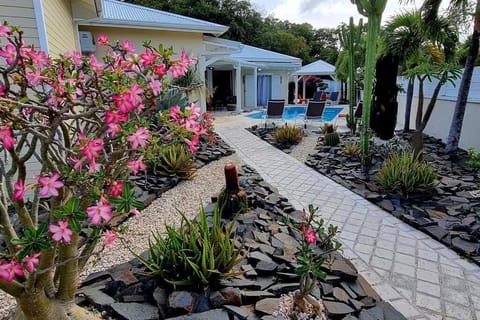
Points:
point(160, 70)
point(124, 102)
point(39, 58)
point(4, 30)
point(116, 188)
point(114, 117)
point(178, 70)
point(9, 53)
point(6, 138)
point(136, 165)
point(34, 77)
point(32, 261)
point(50, 185)
point(127, 46)
point(310, 236)
point(61, 231)
point(156, 86)
point(148, 58)
point(10, 270)
point(2, 91)
point(76, 56)
point(90, 148)
point(134, 211)
point(102, 39)
point(139, 138)
point(19, 187)
point(110, 238)
point(102, 211)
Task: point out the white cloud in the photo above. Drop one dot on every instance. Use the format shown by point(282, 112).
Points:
point(322, 13)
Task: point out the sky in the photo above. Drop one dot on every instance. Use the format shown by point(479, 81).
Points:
point(323, 13)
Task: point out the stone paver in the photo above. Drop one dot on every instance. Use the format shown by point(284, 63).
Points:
point(419, 276)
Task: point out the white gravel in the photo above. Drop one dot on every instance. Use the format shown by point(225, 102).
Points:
point(187, 197)
point(305, 147)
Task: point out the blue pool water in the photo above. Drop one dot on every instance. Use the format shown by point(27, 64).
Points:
point(292, 113)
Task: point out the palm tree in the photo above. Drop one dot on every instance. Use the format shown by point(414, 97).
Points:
point(461, 104)
point(430, 9)
point(400, 32)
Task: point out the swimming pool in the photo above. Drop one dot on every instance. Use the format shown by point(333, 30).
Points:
point(292, 113)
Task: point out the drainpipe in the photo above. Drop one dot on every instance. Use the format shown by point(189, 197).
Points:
point(201, 72)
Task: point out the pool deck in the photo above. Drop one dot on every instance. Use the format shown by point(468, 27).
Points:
point(420, 277)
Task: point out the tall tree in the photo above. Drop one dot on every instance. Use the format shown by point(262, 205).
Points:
point(401, 32)
point(463, 91)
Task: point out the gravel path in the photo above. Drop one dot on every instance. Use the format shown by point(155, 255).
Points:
point(187, 197)
point(305, 147)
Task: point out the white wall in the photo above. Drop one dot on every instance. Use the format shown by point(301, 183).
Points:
point(439, 123)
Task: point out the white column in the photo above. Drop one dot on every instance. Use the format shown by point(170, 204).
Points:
point(238, 87)
point(255, 85)
point(295, 95)
point(210, 80)
point(304, 89)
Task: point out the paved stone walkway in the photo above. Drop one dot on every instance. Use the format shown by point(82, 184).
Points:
point(419, 276)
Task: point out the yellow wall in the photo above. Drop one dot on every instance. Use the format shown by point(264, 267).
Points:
point(21, 13)
point(62, 34)
point(190, 41)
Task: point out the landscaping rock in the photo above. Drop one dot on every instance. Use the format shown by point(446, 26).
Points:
point(135, 311)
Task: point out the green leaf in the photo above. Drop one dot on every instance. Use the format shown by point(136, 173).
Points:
point(75, 225)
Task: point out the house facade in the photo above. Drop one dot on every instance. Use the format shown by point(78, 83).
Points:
point(247, 73)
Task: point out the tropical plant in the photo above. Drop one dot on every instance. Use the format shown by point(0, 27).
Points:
point(352, 149)
point(288, 135)
point(332, 139)
point(442, 72)
point(328, 128)
point(406, 173)
point(87, 123)
point(350, 40)
point(197, 255)
point(461, 102)
point(314, 235)
point(175, 160)
point(474, 158)
point(373, 10)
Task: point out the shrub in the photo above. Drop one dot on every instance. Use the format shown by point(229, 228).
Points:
point(195, 255)
point(474, 161)
point(176, 160)
point(352, 149)
point(396, 145)
point(288, 135)
point(406, 173)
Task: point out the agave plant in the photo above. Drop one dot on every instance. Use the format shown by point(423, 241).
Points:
point(176, 160)
point(196, 255)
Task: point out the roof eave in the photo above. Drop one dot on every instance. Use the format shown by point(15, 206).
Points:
point(151, 26)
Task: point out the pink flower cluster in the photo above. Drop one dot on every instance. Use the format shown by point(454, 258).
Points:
point(12, 269)
point(193, 125)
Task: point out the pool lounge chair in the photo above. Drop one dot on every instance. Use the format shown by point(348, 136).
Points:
point(275, 110)
point(333, 98)
point(314, 111)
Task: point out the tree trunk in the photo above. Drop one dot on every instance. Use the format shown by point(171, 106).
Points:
point(461, 104)
point(385, 105)
point(37, 306)
point(408, 105)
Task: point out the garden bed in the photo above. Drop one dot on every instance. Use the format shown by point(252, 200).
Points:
point(450, 213)
point(123, 293)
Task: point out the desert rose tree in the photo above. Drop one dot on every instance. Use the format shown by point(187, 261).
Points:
point(86, 123)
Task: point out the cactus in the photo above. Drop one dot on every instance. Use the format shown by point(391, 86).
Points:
point(350, 39)
point(373, 9)
point(232, 199)
point(332, 139)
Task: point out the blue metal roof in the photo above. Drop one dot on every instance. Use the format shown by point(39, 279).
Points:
point(120, 14)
